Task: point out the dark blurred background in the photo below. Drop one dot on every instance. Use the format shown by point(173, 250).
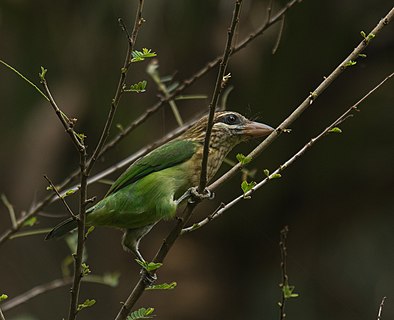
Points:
point(337, 199)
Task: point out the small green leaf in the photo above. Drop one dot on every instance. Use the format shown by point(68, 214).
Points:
point(362, 55)
point(88, 303)
point(90, 230)
point(266, 172)
point(149, 266)
point(43, 73)
point(370, 36)
point(85, 269)
point(350, 63)
point(141, 314)
point(69, 193)
point(3, 297)
point(363, 34)
point(137, 87)
point(247, 186)
point(148, 53)
point(335, 130)
point(288, 291)
point(275, 176)
point(243, 159)
point(30, 222)
point(49, 188)
point(163, 286)
point(81, 136)
point(141, 56)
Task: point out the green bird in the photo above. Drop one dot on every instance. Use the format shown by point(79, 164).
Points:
point(153, 186)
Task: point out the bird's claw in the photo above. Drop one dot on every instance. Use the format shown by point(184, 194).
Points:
point(192, 195)
point(147, 277)
point(207, 194)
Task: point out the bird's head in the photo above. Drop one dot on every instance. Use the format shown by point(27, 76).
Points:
point(229, 129)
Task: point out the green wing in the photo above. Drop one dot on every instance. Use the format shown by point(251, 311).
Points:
point(165, 156)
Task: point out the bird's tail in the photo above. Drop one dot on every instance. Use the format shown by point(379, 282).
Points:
point(62, 228)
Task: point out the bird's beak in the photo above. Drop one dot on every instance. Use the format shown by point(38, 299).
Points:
point(256, 129)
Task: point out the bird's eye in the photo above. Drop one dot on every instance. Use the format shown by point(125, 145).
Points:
point(231, 119)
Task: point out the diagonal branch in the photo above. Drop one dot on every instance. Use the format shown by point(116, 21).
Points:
point(224, 207)
point(344, 65)
point(220, 83)
point(379, 317)
point(53, 187)
point(121, 84)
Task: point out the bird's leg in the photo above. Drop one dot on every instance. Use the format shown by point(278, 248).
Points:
point(131, 241)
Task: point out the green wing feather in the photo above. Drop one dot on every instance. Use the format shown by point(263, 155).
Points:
point(165, 156)
point(168, 155)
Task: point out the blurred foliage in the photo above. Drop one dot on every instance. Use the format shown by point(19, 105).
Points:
point(337, 200)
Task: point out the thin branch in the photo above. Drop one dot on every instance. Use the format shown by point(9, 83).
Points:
point(381, 308)
point(79, 144)
point(31, 233)
point(24, 78)
point(269, 10)
point(35, 291)
point(1, 315)
point(224, 207)
point(283, 268)
point(153, 71)
point(47, 287)
point(279, 37)
point(344, 65)
point(66, 122)
point(121, 84)
point(78, 274)
point(53, 187)
point(10, 209)
point(216, 93)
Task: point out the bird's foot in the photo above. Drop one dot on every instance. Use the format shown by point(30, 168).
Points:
point(147, 277)
point(195, 194)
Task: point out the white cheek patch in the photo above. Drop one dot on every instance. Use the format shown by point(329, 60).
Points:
point(224, 126)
